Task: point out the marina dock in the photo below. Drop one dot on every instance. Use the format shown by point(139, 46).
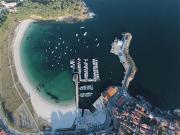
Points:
point(81, 66)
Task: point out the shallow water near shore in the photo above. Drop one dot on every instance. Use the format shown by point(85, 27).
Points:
point(51, 84)
point(48, 47)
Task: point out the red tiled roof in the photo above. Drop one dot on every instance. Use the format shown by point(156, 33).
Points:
point(2, 132)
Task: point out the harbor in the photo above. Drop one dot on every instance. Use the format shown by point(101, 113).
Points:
point(120, 112)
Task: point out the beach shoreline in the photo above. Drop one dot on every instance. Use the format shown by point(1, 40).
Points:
point(52, 112)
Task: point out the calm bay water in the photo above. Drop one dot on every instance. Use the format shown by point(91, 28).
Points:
point(155, 26)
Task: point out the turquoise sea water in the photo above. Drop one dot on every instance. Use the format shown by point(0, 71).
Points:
point(155, 26)
point(52, 84)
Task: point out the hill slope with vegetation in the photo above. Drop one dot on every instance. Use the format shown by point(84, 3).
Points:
point(51, 9)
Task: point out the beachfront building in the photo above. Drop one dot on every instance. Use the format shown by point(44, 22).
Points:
point(2, 132)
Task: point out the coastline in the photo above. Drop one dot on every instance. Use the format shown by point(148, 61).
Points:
point(63, 18)
point(51, 112)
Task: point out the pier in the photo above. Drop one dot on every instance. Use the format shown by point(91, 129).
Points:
point(121, 49)
point(75, 79)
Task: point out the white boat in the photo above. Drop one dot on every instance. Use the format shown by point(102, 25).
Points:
point(72, 61)
point(76, 35)
point(85, 33)
point(82, 27)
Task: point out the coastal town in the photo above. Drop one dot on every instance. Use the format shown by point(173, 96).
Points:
point(115, 112)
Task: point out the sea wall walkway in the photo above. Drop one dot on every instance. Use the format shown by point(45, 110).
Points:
point(121, 49)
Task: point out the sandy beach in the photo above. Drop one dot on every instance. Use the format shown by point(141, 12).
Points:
point(59, 116)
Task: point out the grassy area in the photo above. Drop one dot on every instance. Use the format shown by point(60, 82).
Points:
point(6, 28)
